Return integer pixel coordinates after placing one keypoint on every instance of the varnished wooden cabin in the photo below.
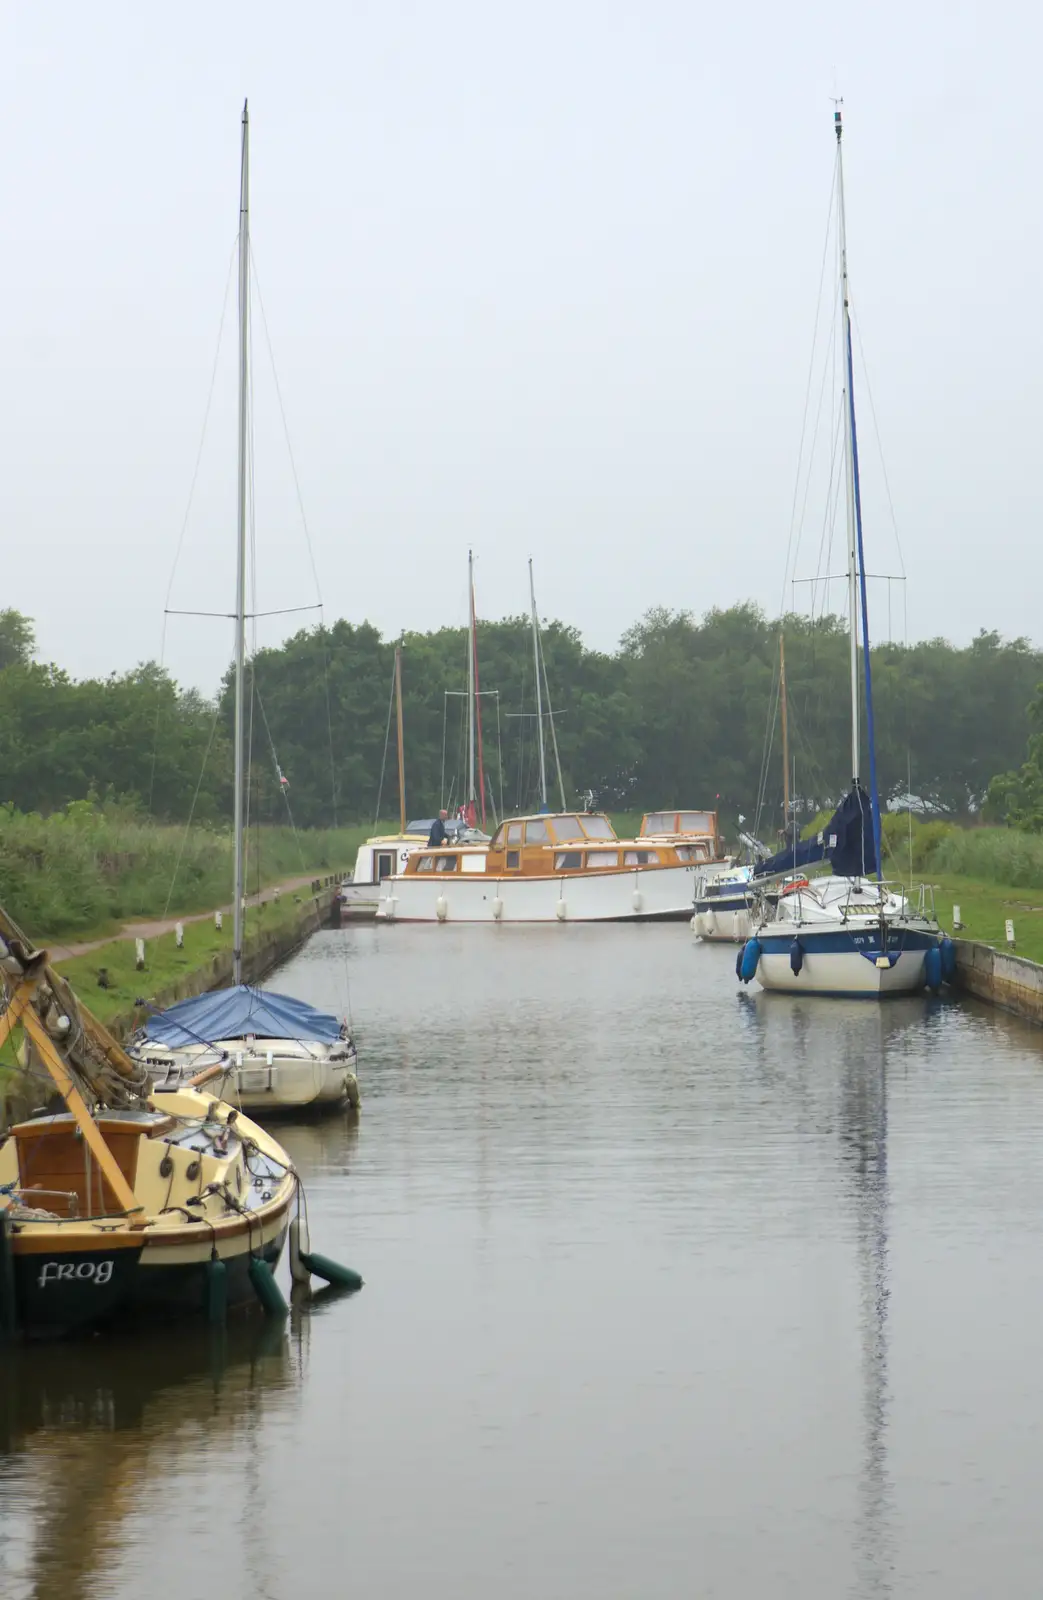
(551, 844)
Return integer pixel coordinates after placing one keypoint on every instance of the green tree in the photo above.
(17, 639)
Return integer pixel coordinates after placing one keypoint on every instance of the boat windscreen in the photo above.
(598, 828)
(695, 822)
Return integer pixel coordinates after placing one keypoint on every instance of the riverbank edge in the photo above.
(263, 951)
(1008, 981)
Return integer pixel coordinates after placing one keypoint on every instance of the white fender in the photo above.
(559, 911)
(637, 900)
(441, 908)
(699, 924)
(710, 924)
(736, 925)
(497, 909)
(389, 907)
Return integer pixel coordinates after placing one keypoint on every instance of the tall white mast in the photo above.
(539, 696)
(470, 676)
(849, 457)
(240, 576)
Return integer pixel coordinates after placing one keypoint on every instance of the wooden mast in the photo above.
(401, 743)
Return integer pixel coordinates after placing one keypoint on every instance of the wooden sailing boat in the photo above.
(130, 1200)
(274, 1053)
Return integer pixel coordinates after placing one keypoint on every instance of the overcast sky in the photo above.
(539, 279)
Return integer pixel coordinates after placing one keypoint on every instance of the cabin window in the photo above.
(385, 865)
(568, 860)
(537, 833)
(513, 860)
(641, 858)
(425, 864)
(597, 828)
(695, 822)
(514, 833)
(567, 827)
(445, 863)
(684, 852)
(659, 822)
(602, 858)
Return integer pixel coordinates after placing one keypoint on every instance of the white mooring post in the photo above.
(1010, 933)
(956, 922)
(217, 920)
(179, 935)
(139, 954)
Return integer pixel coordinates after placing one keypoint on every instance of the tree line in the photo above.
(684, 712)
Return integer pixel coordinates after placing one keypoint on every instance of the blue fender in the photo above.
(751, 954)
(796, 957)
(738, 961)
(932, 968)
(948, 953)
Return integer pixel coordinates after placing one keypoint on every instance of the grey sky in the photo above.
(539, 279)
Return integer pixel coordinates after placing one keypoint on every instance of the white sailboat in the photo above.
(849, 933)
(277, 1053)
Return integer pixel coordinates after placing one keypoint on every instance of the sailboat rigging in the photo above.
(540, 670)
(274, 1053)
(845, 933)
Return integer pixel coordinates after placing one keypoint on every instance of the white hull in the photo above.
(632, 894)
(273, 1077)
(843, 973)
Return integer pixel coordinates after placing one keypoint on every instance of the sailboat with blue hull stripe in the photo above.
(849, 933)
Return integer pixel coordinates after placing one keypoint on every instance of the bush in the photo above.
(89, 867)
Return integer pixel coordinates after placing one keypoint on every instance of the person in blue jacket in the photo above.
(438, 834)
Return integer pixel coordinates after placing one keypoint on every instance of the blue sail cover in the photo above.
(847, 840)
(237, 1013)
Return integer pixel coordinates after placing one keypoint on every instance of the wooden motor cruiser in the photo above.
(554, 867)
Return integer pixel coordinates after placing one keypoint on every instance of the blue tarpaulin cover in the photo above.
(235, 1013)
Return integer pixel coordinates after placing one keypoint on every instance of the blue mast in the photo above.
(874, 792)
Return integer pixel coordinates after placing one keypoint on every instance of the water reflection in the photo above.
(670, 1289)
(91, 1434)
(861, 1035)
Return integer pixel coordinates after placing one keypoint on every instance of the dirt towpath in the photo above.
(152, 930)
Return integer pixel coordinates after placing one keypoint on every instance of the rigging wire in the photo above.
(387, 741)
(307, 534)
(188, 508)
(192, 809)
(793, 540)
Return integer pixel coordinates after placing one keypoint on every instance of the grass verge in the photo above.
(165, 964)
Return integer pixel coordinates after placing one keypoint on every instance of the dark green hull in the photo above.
(60, 1295)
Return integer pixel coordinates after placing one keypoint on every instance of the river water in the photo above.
(670, 1291)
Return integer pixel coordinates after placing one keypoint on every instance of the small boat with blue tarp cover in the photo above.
(849, 933)
(269, 1052)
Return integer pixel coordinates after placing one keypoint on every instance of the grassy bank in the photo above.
(992, 874)
(83, 872)
(165, 964)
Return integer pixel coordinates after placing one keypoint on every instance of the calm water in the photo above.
(670, 1292)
